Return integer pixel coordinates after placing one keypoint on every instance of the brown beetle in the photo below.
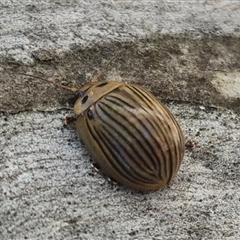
(132, 136)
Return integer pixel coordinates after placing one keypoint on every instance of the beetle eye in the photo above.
(79, 94)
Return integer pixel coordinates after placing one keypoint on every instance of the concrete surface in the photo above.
(28, 26)
(186, 53)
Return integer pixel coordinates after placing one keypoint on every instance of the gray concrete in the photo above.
(27, 26)
(47, 187)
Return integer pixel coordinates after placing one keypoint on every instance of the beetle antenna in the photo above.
(73, 89)
(95, 79)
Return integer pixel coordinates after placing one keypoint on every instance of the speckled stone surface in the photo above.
(48, 189)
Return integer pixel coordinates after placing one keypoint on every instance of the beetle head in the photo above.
(92, 93)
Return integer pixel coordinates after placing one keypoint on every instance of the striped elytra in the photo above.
(132, 136)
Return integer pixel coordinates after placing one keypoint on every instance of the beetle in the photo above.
(132, 136)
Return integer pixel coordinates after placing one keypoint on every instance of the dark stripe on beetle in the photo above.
(179, 145)
(89, 126)
(176, 157)
(110, 157)
(120, 124)
(144, 95)
(148, 154)
(124, 105)
(172, 160)
(104, 142)
(121, 104)
(138, 150)
(112, 148)
(180, 139)
(119, 133)
(153, 105)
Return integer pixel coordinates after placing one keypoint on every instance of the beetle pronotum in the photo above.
(133, 137)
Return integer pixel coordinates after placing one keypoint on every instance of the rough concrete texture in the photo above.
(186, 53)
(28, 26)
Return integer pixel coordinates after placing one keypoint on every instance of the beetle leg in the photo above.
(68, 119)
(112, 181)
(96, 167)
(190, 144)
